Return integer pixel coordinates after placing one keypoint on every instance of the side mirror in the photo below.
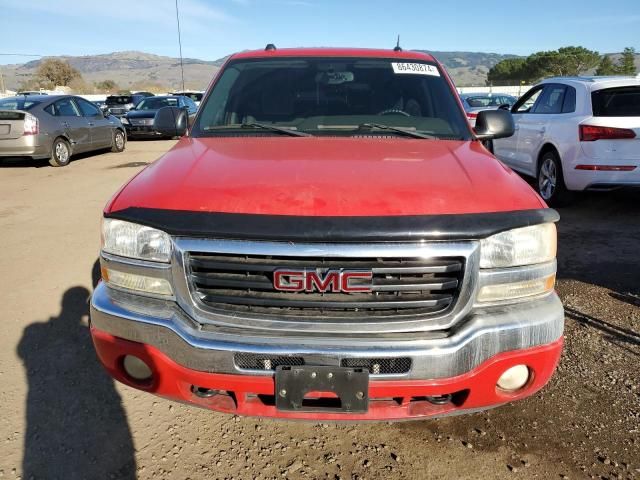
(492, 124)
(170, 121)
(106, 112)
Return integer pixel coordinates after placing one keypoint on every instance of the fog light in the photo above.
(136, 368)
(514, 378)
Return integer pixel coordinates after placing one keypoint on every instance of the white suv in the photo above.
(576, 133)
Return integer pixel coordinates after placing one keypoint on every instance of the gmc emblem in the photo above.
(334, 280)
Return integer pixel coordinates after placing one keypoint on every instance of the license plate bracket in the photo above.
(350, 385)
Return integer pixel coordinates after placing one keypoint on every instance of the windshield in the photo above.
(488, 101)
(17, 103)
(119, 100)
(156, 103)
(195, 96)
(332, 96)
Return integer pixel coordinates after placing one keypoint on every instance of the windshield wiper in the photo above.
(273, 128)
(408, 133)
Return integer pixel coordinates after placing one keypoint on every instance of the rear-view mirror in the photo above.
(170, 121)
(492, 124)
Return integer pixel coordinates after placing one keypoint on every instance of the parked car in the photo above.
(119, 105)
(195, 96)
(139, 120)
(330, 241)
(474, 103)
(56, 127)
(575, 134)
(101, 104)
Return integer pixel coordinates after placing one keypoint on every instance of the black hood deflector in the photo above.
(291, 228)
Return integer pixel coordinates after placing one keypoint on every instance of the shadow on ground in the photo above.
(612, 332)
(25, 162)
(598, 241)
(22, 162)
(76, 424)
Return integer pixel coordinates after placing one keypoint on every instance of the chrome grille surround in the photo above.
(188, 299)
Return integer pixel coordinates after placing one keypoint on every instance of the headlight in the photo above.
(518, 263)
(124, 120)
(135, 241)
(521, 246)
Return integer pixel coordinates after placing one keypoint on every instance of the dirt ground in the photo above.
(62, 416)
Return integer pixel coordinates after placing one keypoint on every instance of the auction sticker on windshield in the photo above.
(415, 68)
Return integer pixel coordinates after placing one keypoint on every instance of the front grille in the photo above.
(379, 366)
(243, 284)
(141, 121)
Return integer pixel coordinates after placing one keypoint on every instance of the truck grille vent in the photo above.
(252, 361)
(376, 366)
(243, 284)
(379, 366)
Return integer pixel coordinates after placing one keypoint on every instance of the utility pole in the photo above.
(180, 44)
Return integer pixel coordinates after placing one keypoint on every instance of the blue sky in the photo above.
(214, 28)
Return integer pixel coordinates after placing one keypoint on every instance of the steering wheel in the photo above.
(394, 111)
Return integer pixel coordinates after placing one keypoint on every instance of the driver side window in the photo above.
(87, 109)
(65, 108)
(526, 103)
(551, 100)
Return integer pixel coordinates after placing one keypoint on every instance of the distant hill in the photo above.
(133, 69)
(138, 68)
(126, 69)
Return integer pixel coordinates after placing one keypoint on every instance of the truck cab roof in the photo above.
(334, 52)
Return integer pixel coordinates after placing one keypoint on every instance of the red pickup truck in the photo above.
(330, 240)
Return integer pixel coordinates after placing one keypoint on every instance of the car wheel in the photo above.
(60, 153)
(118, 141)
(550, 181)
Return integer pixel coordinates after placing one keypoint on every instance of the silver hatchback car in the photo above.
(56, 127)
(474, 103)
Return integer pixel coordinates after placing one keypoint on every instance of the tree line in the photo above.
(566, 61)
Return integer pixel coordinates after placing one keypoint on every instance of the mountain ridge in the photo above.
(141, 70)
(133, 68)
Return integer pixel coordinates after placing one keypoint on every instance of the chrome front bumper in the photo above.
(441, 354)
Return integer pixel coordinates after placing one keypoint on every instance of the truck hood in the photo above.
(322, 176)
